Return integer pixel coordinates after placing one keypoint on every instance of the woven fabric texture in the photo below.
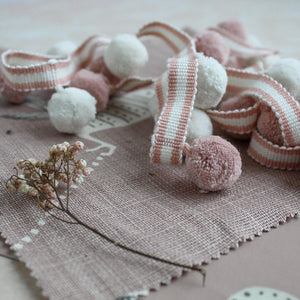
(150, 207)
(153, 208)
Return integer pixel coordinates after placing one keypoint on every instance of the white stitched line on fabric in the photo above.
(99, 158)
(94, 163)
(26, 239)
(41, 222)
(17, 246)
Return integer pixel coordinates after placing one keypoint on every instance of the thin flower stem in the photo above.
(63, 220)
(45, 197)
(68, 185)
(53, 186)
(43, 178)
(96, 231)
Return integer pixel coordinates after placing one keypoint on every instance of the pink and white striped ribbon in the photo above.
(269, 91)
(285, 108)
(178, 40)
(273, 156)
(241, 48)
(171, 128)
(174, 115)
(242, 121)
(24, 71)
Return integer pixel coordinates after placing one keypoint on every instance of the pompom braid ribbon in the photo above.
(24, 71)
(174, 114)
(243, 121)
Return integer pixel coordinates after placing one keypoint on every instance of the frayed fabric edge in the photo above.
(145, 291)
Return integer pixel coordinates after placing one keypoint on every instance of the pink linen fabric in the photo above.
(153, 208)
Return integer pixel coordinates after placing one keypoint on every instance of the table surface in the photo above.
(36, 25)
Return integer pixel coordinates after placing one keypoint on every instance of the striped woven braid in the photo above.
(24, 71)
(174, 115)
(171, 127)
(241, 48)
(241, 121)
(285, 107)
(270, 155)
(178, 40)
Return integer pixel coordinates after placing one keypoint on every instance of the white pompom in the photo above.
(153, 106)
(62, 49)
(200, 125)
(71, 109)
(269, 60)
(287, 72)
(211, 82)
(125, 55)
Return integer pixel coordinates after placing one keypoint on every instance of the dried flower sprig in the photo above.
(42, 179)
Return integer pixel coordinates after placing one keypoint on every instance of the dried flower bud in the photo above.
(10, 186)
(78, 179)
(21, 164)
(66, 144)
(64, 178)
(23, 188)
(33, 192)
(32, 161)
(78, 145)
(53, 149)
(62, 148)
(81, 163)
(40, 179)
(27, 173)
(87, 171)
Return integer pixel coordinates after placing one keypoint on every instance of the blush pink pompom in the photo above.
(236, 102)
(268, 126)
(98, 66)
(236, 28)
(212, 44)
(213, 163)
(95, 84)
